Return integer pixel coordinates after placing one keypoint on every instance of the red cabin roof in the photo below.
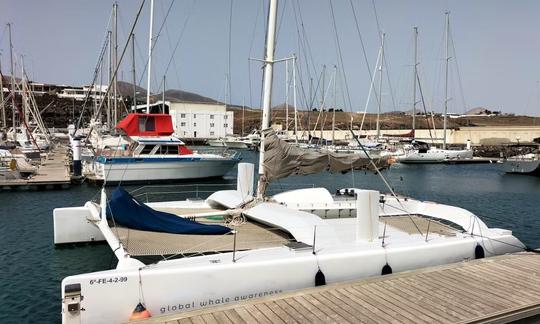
(146, 125)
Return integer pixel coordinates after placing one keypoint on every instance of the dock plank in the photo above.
(502, 288)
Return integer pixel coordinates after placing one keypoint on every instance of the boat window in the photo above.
(147, 149)
(169, 149)
(147, 124)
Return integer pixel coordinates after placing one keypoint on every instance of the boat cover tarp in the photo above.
(282, 159)
(146, 125)
(129, 212)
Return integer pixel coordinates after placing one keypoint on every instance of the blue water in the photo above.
(32, 268)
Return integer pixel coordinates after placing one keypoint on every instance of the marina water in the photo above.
(32, 267)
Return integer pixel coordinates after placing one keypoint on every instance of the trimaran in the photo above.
(292, 240)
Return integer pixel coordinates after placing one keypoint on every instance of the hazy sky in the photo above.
(497, 47)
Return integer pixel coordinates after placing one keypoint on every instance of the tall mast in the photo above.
(334, 110)
(149, 57)
(294, 100)
(415, 76)
(24, 98)
(267, 95)
(243, 115)
(115, 63)
(379, 107)
(4, 125)
(12, 84)
(446, 77)
(109, 120)
(322, 103)
(287, 96)
(133, 70)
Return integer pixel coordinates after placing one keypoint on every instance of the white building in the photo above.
(196, 119)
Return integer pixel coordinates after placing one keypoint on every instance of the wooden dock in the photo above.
(53, 173)
(493, 290)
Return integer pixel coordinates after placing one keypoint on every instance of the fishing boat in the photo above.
(523, 164)
(154, 154)
(238, 245)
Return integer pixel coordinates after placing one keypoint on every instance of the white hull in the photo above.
(216, 143)
(156, 171)
(522, 166)
(187, 284)
(434, 156)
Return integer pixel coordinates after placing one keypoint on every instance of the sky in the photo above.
(494, 49)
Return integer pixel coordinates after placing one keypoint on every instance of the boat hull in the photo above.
(146, 170)
(434, 156)
(183, 285)
(529, 167)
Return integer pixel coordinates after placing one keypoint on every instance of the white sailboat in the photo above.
(293, 240)
(523, 164)
(418, 152)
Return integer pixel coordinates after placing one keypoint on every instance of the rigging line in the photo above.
(306, 44)
(340, 55)
(119, 62)
(385, 61)
(424, 105)
(190, 12)
(252, 41)
(458, 71)
(228, 85)
(386, 182)
(155, 40)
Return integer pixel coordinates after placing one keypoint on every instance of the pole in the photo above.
(133, 70)
(14, 108)
(379, 107)
(446, 77)
(415, 65)
(115, 57)
(334, 110)
(149, 56)
(4, 123)
(294, 100)
(267, 96)
(110, 80)
(287, 97)
(243, 115)
(322, 104)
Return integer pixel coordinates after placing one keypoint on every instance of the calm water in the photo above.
(32, 268)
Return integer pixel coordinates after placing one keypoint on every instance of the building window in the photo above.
(225, 125)
(194, 116)
(211, 124)
(194, 124)
(225, 117)
(211, 133)
(211, 116)
(183, 124)
(182, 115)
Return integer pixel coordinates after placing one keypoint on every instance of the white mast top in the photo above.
(447, 27)
(149, 57)
(268, 75)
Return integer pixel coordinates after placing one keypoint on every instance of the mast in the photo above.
(149, 56)
(115, 63)
(4, 125)
(267, 95)
(12, 85)
(415, 76)
(110, 81)
(322, 103)
(446, 76)
(334, 110)
(243, 114)
(294, 100)
(287, 97)
(379, 107)
(133, 70)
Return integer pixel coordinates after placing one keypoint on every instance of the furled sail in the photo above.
(129, 212)
(282, 159)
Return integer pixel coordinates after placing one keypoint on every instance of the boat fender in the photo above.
(139, 312)
(320, 279)
(479, 252)
(387, 269)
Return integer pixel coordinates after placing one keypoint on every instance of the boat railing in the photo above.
(222, 152)
(173, 192)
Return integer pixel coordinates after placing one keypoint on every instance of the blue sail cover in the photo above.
(129, 212)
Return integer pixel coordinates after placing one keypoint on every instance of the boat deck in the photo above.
(493, 290)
